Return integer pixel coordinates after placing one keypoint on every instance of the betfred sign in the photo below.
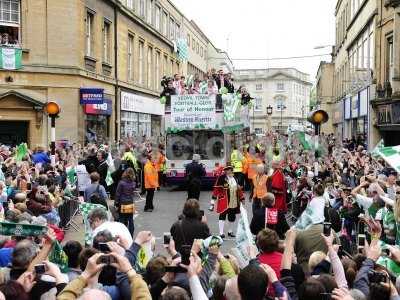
(91, 96)
(99, 109)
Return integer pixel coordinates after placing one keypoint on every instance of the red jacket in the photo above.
(273, 259)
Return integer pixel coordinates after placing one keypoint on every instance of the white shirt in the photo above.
(115, 228)
(364, 201)
(83, 177)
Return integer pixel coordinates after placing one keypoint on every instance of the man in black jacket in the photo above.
(102, 168)
(194, 172)
(91, 162)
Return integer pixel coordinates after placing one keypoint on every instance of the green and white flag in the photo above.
(10, 58)
(22, 151)
(203, 87)
(305, 140)
(71, 175)
(380, 145)
(231, 105)
(391, 155)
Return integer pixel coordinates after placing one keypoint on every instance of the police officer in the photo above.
(194, 172)
(237, 164)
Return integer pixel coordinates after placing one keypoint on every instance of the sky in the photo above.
(267, 29)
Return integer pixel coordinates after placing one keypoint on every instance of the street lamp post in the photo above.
(269, 113)
(281, 124)
(52, 110)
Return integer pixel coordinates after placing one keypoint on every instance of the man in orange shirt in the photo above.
(252, 162)
(260, 186)
(150, 182)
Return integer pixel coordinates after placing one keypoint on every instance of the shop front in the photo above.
(337, 120)
(141, 116)
(356, 115)
(97, 121)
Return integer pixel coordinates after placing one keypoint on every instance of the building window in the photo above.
(165, 24)
(150, 67)
(141, 61)
(197, 48)
(259, 87)
(258, 130)
(150, 11)
(258, 104)
(193, 44)
(142, 8)
(106, 42)
(158, 70)
(201, 51)
(389, 64)
(188, 40)
(130, 57)
(157, 18)
(280, 86)
(172, 67)
(9, 22)
(129, 4)
(165, 67)
(280, 103)
(171, 29)
(89, 33)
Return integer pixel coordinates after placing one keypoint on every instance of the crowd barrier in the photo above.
(67, 211)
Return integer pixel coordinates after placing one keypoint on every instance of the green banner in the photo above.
(10, 58)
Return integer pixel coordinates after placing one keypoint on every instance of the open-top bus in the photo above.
(195, 124)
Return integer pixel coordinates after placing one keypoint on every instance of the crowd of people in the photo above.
(212, 83)
(323, 224)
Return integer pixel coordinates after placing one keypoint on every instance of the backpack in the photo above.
(97, 198)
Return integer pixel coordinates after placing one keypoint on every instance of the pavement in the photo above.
(168, 206)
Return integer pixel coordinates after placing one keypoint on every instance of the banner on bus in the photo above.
(193, 112)
(240, 121)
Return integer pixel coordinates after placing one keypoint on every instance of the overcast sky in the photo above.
(266, 29)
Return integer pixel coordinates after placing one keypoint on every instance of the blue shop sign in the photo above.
(91, 96)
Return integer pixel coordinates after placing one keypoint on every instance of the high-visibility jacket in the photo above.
(236, 161)
(160, 162)
(252, 162)
(128, 156)
(276, 157)
(260, 186)
(245, 163)
(150, 176)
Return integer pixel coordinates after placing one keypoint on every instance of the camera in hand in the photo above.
(167, 238)
(185, 253)
(106, 259)
(327, 228)
(175, 269)
(40, 269)
(377, 277)
(103, 247)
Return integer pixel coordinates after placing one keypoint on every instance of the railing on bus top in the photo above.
(218, 104)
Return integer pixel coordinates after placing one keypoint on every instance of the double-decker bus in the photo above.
(211, 139)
